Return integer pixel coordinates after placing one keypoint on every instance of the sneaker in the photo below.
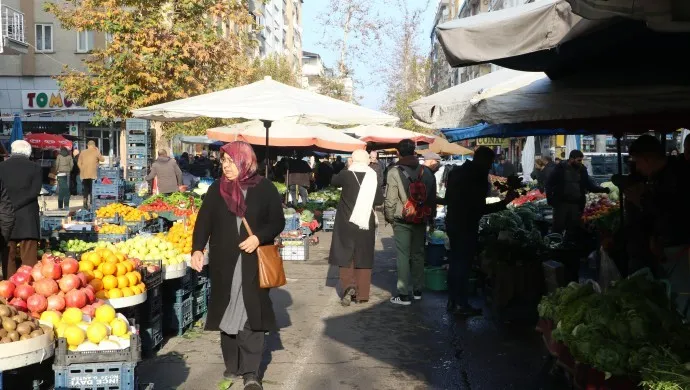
(401, 300)
(348, 295)
(251, 382)
(417, 295)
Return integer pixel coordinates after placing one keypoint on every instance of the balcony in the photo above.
(12, 38)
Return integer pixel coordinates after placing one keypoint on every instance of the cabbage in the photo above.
(614, 195)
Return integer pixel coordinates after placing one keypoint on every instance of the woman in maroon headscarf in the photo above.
(238, 307)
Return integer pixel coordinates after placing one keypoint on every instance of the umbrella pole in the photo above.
(267, 125)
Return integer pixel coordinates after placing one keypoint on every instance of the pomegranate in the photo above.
(46, 287)
(47, 257)
(24, 291)
(98, 303)
(19, 304)
(51, 270)
(37, 303)
(61, 294)
(90, 296)
(89, 310)
(6, 289)
(36, 272)
(75, 298)
(56, 303)
(69, 283)
(69, 266)
(82, 279)
(25, 268)
(21, 278)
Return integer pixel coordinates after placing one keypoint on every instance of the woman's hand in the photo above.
(250, 244)
(198, 261)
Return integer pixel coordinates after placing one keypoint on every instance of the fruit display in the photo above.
(145, 247)
(180, 234)
(109, 228)
(17, 325)
(102, 330)
(597, 206)
(329, 197)
(111, 274)
(76, 246)
(127, 213)
(179, 203)
(532, 196)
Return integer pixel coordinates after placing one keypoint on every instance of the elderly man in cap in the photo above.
(22, 179)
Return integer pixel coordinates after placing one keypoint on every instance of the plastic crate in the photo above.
(64, 357)
(112, 173)
(178, 288)
(86, 235)
(115, 190)
(152, 335)
(328, 215)
(98, 376)
(51, 223)
(112, 237)
(179, 316)
(295, 252)
(99, 202)
(328, 225)
(134, 138)
(199, 306)
(137, 150)
(291, 222)
(154, 279)
(138, 174)
(199, 278)
(137, 124)
(83, 216)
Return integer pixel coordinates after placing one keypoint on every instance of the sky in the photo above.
(371, 95)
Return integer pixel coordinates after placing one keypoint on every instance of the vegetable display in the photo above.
(329, 196)
(179, 203)
(529, 197)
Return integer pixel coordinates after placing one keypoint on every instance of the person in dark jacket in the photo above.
(239, 308)
(465, 198)
(375, 164)
(299, 179)
(74, 179)
(566, 189)
(324, 174)
(22, 179)
(338, 165)
(546, 172)
(168, 173)
(6, 225)
(354, 233)
(63, 168)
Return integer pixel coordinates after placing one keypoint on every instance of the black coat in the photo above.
(6, 216)
(217, 224)
(349, 242)
(23, 179)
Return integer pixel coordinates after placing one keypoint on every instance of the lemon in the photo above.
(51, 316)
(60, 329)
(74, 335)
(72, 316)
(96, 332)
(119, 327)
(105, 314)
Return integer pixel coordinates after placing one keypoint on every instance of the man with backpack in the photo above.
(409, 207)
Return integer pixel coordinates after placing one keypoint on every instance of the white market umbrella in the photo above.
(528, 154)
(287, 133)
(570, 145)
(387, 135)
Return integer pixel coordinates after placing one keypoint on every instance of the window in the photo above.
(85, 41)
(44, 38)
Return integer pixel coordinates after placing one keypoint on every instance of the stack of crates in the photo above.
(328, 220)
(178, 303)
(149, 315)
(201, 285)
(108, 188)
(294, 249)
(139, 154)
(114, 369)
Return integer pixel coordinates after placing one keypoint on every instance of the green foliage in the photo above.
(278, 67)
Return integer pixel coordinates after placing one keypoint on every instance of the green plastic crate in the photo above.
(436, 278)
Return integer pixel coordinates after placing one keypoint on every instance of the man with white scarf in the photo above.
(354, 233)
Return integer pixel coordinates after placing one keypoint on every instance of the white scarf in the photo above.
(365, 198)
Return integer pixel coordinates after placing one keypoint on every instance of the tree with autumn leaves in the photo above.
(156, 51)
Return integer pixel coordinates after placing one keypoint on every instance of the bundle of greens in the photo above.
(665, 370)
(330, 196)
(282, 188)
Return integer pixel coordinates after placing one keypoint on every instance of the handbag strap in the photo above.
(246, 226)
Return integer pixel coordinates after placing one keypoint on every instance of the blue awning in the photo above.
(509, 130)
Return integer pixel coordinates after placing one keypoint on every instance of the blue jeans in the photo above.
(463, 250)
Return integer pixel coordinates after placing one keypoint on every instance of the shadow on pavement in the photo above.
(273, 342)
(167, 371)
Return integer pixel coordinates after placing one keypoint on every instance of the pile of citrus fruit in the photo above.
(128, 213)
(180, 234)
(109, 228)
(105, 331)
(111, 274)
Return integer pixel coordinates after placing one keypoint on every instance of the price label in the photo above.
(97, 381)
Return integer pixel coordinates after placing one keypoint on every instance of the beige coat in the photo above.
(88, 163)
(64, 164)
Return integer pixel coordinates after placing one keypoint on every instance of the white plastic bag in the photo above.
(142, 188)
(608, 272)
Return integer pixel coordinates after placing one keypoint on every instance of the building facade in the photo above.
(281, 28)
(314, 71)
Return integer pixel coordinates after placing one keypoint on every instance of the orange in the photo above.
(120, 256)
(122, 282)
(105, 253)
(132, 279)
(98, 274)
(86, 265)
(135, 290)
(121, 269)
(127, 292)
(115, 293)
(138, 275)
(112, 259)
(129, 265)
(97, 284)
(109, 269)
(142, 287)
(102, 294)
(95, 258)
(85, 256)
(109, 282)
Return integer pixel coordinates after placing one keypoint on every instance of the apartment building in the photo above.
(314, 70)
(281, 33)
(12, 38)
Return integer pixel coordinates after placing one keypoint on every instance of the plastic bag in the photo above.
(142, 188)
(608, 272)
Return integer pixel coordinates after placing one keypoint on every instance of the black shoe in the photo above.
(251, 382)
(401, 300)
(348, 296)
(231, 375)
(417, 295)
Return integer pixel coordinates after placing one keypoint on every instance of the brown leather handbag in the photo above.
(271, 271)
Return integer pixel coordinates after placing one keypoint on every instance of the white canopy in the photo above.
(658, 14)
(511, 32)
(287, 133)
(387, 135)
(265, 100)
(452, 107)
(197, 139)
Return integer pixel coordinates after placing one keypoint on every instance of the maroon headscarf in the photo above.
(244, 158)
